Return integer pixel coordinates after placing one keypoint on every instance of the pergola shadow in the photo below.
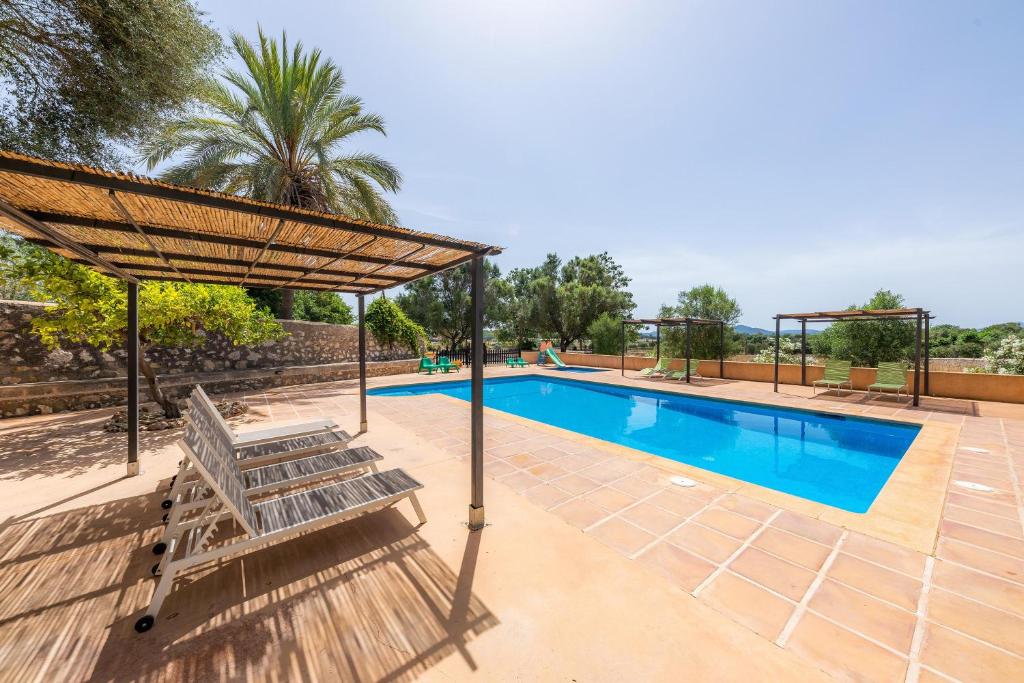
(363, 600)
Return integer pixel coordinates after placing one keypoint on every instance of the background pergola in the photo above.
(918, 315)
(137, 229)
(677, 322)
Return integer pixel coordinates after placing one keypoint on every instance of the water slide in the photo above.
(555, 359)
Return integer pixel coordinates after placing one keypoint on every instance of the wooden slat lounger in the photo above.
(267, 522)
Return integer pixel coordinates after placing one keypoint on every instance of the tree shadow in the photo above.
(366, 599)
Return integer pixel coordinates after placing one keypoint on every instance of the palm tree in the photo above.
(273, 131)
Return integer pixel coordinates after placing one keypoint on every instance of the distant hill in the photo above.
(747, 329)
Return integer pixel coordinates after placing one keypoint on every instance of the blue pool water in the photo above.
(833, 459)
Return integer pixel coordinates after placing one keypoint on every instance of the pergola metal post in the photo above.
(917, 360)
(657, 342)
(721, 350)
(132, 342)
(687, 350)
(476, 506)
(622, 360)
(927, 353)
(362, 363)
(778, 322)
(803, 353)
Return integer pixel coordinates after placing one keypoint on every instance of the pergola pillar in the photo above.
(778, 329)
(476, 505)
(803, 353)
(362, 364)
(132, 344)
(687, 350)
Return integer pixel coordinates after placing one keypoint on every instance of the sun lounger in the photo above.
(837, 374)
(660, 368)
(445, 363)
(266, 522)
(890, 377)
(190, 495)
(271, 445)
(681, 374)
(428, 365)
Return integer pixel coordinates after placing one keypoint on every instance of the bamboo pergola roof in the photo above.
(672, 322)
(138, 228)
(857, 314)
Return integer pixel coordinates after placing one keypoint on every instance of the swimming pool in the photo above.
(833, 459)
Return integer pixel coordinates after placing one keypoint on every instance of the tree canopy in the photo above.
(703, 301)
(868, 342)
(86, 76)
(442, 304)
(92, 308)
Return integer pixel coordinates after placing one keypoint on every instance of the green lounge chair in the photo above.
(428, 365)
(681, 374)
(519, 362)
(660, 368)
(890, 377)
(445, 363)
(837, 373)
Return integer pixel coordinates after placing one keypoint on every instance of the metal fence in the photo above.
(492, 355)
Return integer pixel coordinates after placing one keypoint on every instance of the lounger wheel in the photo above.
(155, 569)
(165, 518)
(166, 504)
(144, 624)
(159, 548)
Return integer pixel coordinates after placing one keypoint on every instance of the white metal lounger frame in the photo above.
(263, 435)
(219, 506)
(197, 496)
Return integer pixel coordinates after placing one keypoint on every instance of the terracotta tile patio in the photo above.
(641, 578)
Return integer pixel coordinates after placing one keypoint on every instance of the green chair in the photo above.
(428, 365)
(510, 362)
(890, 377)
(837, 373)
(681, 374)
(660, 368)
(444, 363)
(519, 362)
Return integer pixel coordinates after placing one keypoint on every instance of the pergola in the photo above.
(138, 229)
(919, 315)
(677, 322)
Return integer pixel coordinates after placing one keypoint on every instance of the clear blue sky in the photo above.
(799, 154)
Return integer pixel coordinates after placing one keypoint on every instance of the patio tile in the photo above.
(548, 453)
(796, 549)
(808, 527)
(576, 484)
(498, 468)
(676, 503)
(985, 539)
(727, 522)
(523, 460)
(547, 495)
(984, 520)
(884, 553)
(863, 614)
(547, 471)
(635, 487)
(610, 499)
(1007, 567)
(750, 605)
(981, 621)
(844, 654)
(682, 568)
(983, 505)
(621, 535)
(747, 507)
(573, 463)
(520, 481)
(966, 659)
(580, 513)
(986, 589)
(769, 571)
(882, 583)
(603, 473)
(705, 542)
(652, 518)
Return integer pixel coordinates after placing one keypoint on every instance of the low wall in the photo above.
(52, 397)
(965, 385)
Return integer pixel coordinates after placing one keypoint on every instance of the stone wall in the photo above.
(35, 379)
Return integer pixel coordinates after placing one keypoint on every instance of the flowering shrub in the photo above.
(789, 352)
(1007, 358)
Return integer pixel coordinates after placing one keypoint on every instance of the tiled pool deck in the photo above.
(762, 580)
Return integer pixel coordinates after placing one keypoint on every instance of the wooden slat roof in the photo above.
(672, 322)
(139, 228)
(857, 314)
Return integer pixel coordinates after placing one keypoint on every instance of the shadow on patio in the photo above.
(363, 600)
